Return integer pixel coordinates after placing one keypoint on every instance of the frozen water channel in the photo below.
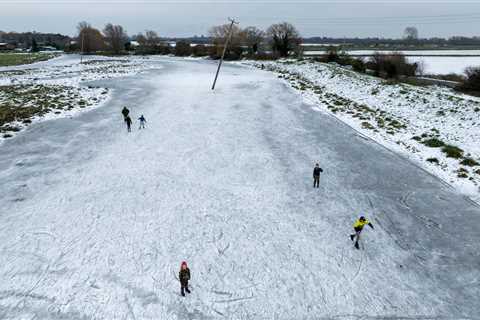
(95, 222)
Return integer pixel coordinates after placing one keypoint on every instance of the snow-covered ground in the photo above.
(433, 61)
(411, 52)
(399, 116)
(95, 221)
(446, 65)
(67, 77)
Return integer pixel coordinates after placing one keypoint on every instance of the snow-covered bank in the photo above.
(423, 123)
(56, 88)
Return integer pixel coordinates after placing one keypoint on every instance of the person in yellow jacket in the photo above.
(358, 227)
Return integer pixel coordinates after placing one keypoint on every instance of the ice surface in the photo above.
(454, 116)
(95, 221)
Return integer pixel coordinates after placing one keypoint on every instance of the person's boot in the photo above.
(182, 293)
(188, 290)
(352, 236)
(357, 246)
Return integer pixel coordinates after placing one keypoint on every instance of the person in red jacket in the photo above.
(184, 276)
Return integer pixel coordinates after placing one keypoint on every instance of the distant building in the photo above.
(5, 46)
(134, 44)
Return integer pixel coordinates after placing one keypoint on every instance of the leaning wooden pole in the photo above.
(232, 22)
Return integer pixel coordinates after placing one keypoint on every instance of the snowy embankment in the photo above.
(56, 88)
(436, 127)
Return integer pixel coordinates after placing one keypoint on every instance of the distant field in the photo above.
(14, 59)
(434, 61)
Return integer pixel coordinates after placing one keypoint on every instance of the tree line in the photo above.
(279, 40)
(89, 40)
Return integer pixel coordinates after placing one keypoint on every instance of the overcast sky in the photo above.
(339, 18)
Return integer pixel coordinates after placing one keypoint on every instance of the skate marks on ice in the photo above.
(222, 184)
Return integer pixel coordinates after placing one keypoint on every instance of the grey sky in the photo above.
(385, 18)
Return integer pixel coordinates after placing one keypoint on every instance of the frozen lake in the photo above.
(95, 220)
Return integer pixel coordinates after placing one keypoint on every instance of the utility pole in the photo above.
(232, 22)
(81, 54)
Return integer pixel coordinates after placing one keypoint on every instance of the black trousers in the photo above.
(184, 287)
(356, 235)
(316, 181)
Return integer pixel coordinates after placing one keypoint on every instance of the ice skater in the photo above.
(125, 113)
(142, 122)
(184, 277)
(358, 227)
(316, 176)
(128, 120)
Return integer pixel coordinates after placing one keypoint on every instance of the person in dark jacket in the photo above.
(358, 227)
(184, 277)
(125, 113)
(316, 176)
(142, 122)
(128, 120)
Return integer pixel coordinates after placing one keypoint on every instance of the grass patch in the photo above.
(452, 151)
(469, 162)
(367, 125)
(433, 160)
(433, 143)
(14, 59)
(462, 175)
(20, 103)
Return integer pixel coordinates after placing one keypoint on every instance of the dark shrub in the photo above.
(232, 53)
(200, 50)
(433, 143)
(358, 65)
(469, 162)
(472, 81)
(453, 151)
(391, 65)
(264, 56)
(183, 49)
(332, 55)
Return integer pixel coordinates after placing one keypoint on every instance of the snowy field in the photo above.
(61, 86)
(433, 61)
(446, 65)
(95, 221)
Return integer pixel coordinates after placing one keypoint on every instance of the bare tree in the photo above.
(410, 33)
(219, 34)
(141, 39)
(152, 38)
(116, 37)
(253, 38)
(284, 38)
(89, 38)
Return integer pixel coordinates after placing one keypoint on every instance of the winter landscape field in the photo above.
(433, 61)
(96, 220)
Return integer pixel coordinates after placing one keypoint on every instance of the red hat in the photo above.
(184, 263)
